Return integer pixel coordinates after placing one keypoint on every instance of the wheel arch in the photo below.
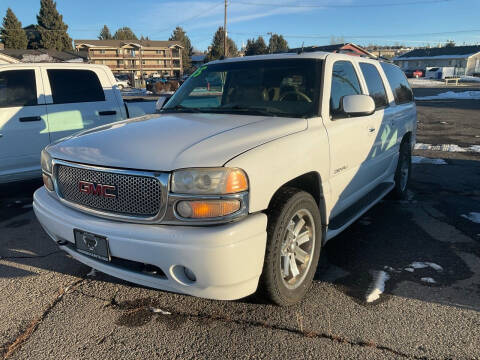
(311, 183)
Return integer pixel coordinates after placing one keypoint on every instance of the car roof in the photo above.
(321, 55)
(55, 65)
(305, 55)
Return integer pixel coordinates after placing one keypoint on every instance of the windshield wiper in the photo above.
(181, 108)
(265, 111)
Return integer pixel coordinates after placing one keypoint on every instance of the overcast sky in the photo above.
(411, 22)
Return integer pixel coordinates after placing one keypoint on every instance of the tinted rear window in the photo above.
(399, 84)
(18, 88)
(72, 86)
(374, 84)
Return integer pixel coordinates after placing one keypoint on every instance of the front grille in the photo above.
(135, 196)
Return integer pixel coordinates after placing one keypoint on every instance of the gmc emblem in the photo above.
(106, 191)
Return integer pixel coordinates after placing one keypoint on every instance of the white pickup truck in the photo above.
(42, 103)
(252, 166)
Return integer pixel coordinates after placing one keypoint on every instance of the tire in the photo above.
(288, 207)
(403, 171)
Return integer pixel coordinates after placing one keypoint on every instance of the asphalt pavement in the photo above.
(427, 248)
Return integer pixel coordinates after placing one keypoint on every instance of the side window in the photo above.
(344, 82)
(72, 86)
(18, 88)
(399, 84)
(376, 89)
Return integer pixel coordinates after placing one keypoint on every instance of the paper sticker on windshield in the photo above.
(199, 71)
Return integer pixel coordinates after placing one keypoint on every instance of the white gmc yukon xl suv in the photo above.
(249, 169)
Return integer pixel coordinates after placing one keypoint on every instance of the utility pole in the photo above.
(225, 31)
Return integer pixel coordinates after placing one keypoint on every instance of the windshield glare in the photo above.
(285, 87)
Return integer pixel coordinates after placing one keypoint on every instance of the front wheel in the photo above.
(293, 247)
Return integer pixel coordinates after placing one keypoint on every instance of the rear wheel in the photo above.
(293, 247)
(403, 171)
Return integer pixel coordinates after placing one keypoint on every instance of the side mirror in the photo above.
(358, 105)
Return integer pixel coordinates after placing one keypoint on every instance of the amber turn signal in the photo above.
(236, 182)
(207, 208)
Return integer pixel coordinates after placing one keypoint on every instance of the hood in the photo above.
(173, 141)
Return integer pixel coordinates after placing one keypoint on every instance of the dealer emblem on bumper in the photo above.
(90, 241)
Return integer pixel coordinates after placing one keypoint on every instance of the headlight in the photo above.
(46, 162)
(209, 181)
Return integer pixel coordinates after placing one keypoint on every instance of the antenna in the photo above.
(301, 50)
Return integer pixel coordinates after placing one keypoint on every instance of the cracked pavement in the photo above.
(51, 308)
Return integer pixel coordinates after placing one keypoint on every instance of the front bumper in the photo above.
(227, 260)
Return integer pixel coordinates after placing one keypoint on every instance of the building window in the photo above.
(143, 62)
(102, 51)
(120, 62)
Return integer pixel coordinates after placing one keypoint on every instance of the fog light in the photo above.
(47, 181)
(189, 274)
(207, 208)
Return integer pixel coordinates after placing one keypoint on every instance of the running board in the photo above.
(348, 216)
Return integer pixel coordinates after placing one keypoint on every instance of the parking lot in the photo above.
(427, 248)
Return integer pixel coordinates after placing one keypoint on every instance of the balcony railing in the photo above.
(130, 56)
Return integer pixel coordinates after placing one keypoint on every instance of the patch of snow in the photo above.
(409, 269)
(428, 280)
(422, 82)
(424, 160)
(425, 264)
(135, 92)
(447, 147)
(463, 95)
(467, 78)
(92, 273)
(378, 286)
(473, 216)
(159, 311)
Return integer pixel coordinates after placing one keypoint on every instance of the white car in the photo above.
(122, 84)
(251, 167)
(42, 103)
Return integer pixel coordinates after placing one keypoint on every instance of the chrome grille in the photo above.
(136, 195)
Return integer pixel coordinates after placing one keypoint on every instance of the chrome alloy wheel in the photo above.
(297, 248)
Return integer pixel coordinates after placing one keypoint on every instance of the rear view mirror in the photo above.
(358, 105)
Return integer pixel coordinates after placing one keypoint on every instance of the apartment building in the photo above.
(135, 57)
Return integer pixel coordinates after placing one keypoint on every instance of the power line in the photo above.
(333, 6)
(312, 36)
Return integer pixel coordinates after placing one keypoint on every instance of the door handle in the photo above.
(371, 130)
(107, 112)
(29, 118)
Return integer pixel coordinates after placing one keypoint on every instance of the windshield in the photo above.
(284, 87)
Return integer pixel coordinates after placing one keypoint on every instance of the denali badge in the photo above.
(107, 191)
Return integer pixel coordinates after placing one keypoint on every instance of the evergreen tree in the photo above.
(216, 49)
(125, 33)
(180, 35)
(277, 44)
(256, 47)
(13, 36)
(105, 33)
(52, 29)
